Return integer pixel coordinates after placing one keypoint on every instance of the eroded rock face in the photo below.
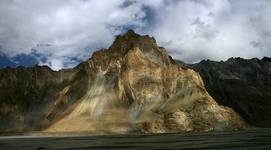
(135, 86)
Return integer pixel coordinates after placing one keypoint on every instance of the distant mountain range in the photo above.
(134, 86)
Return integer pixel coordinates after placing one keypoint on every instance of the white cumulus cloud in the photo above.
(191, 30)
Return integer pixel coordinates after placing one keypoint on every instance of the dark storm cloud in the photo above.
(65, 32)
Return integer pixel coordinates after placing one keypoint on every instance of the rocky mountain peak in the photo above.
(135, 85)
(131, 86)
(126, 44)
(131, 32)
(130, 39)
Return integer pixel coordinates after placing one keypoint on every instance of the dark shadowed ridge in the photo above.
(243, 84)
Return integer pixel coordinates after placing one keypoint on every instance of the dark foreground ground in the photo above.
(248, 139)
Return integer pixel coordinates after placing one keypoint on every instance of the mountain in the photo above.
(133, 86)
(242, 84)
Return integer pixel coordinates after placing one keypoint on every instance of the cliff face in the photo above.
(132, 86)
(242, 84)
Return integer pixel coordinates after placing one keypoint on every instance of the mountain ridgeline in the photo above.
(133, 86)
(242, 84)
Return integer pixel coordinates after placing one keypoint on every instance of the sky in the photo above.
(63, 33)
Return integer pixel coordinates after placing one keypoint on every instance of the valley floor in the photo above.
(258, 138)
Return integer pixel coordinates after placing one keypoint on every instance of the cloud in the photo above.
(64, 29)
(65, 32)
(195, 30)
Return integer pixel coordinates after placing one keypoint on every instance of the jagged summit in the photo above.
(130, 39)
(131, 32)
(128, 44)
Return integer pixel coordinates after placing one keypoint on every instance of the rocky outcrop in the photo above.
(133, 86)
(242, 84)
